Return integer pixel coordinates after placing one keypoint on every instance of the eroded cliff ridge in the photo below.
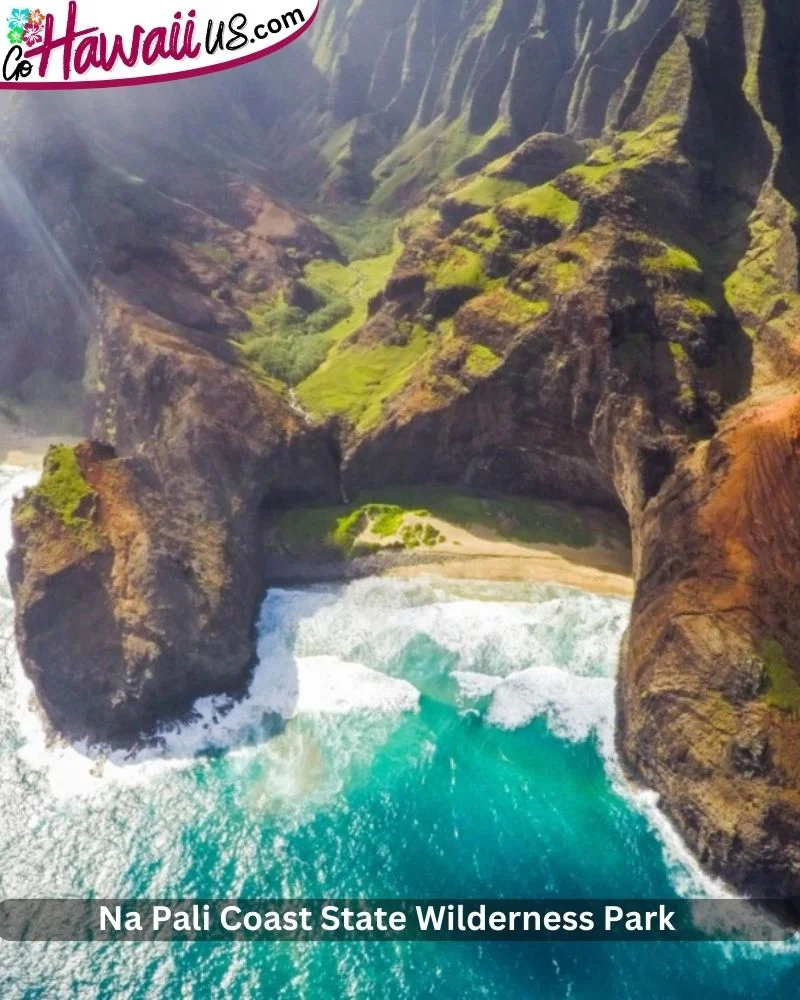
(592, 296)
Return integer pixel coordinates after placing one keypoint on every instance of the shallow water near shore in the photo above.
(443, 738)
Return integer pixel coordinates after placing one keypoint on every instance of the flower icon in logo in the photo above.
(33, 34)
(15, 36)
(18, 19)
(36, 17)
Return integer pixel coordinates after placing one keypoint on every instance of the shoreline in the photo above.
(538, 566)
(467, 554)
(597, 570)
(462, 537)
(27, 451)
(479, 554)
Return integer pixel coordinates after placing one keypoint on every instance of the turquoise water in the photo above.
(445, 739)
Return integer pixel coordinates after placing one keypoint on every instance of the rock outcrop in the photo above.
(710, 691)
(627, 332)
(136, 250)
(455, 85)
(138, 575)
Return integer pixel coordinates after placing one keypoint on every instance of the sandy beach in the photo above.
(534, 566)
(477, 555)
(27, 451)
(465, 554)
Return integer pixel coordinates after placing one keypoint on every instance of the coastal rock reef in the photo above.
(545, 249)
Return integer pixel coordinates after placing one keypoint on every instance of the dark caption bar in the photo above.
(121, 920)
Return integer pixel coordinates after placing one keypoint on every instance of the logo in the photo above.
(92, 43)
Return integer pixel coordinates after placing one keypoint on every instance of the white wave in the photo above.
(474, 687)
(328, 685)
(324, 686)
(284, 687)
(375, 621)
(12, 482)
(327, 654)
(575, 707)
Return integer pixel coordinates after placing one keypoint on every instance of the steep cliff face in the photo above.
(418, 88)
(710, 690)
(138, 575)
(135, 258)
(626, 332)
(159, 192)
(541, 66)
(45, 247)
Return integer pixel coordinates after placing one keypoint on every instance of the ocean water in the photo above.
(442, 739)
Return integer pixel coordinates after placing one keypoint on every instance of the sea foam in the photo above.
(520, 651)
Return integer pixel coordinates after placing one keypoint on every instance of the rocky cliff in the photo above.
(616, 320)
(596, 299)
(138, 574)
(133, 263)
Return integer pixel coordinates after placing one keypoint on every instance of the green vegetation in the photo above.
(599, 166)
(565, 273)
(672, 259)
(500, 304)
(63, 491)
(357, 379)
(783, 690)
(401, 518)
(481, 361)
(388, 521)
(337, 530)
(545, 202)
(418, 218)
(348, 528)
(427, 156)
(482, 233)
(415, 535)
(698, 307)
(756, 286)
(289, 344)
(360, 235)
(513, 518)
(486, 191)
(357, 282)
(461, 269)
(678, 351)
(633, 151)
(509, 307)
(219, 254)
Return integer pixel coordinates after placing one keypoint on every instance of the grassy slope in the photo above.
(355, 379)
(287, 344)
(334, 530)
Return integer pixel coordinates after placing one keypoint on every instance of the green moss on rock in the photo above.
(461, 268)
(502, 304)
(672, 259)
(678, 351)
(357, 379)
(481, 361)
(783, 687)
(545, 202)
(484, 192)
(62, 491)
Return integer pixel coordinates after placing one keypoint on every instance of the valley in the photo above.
(530, 255)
